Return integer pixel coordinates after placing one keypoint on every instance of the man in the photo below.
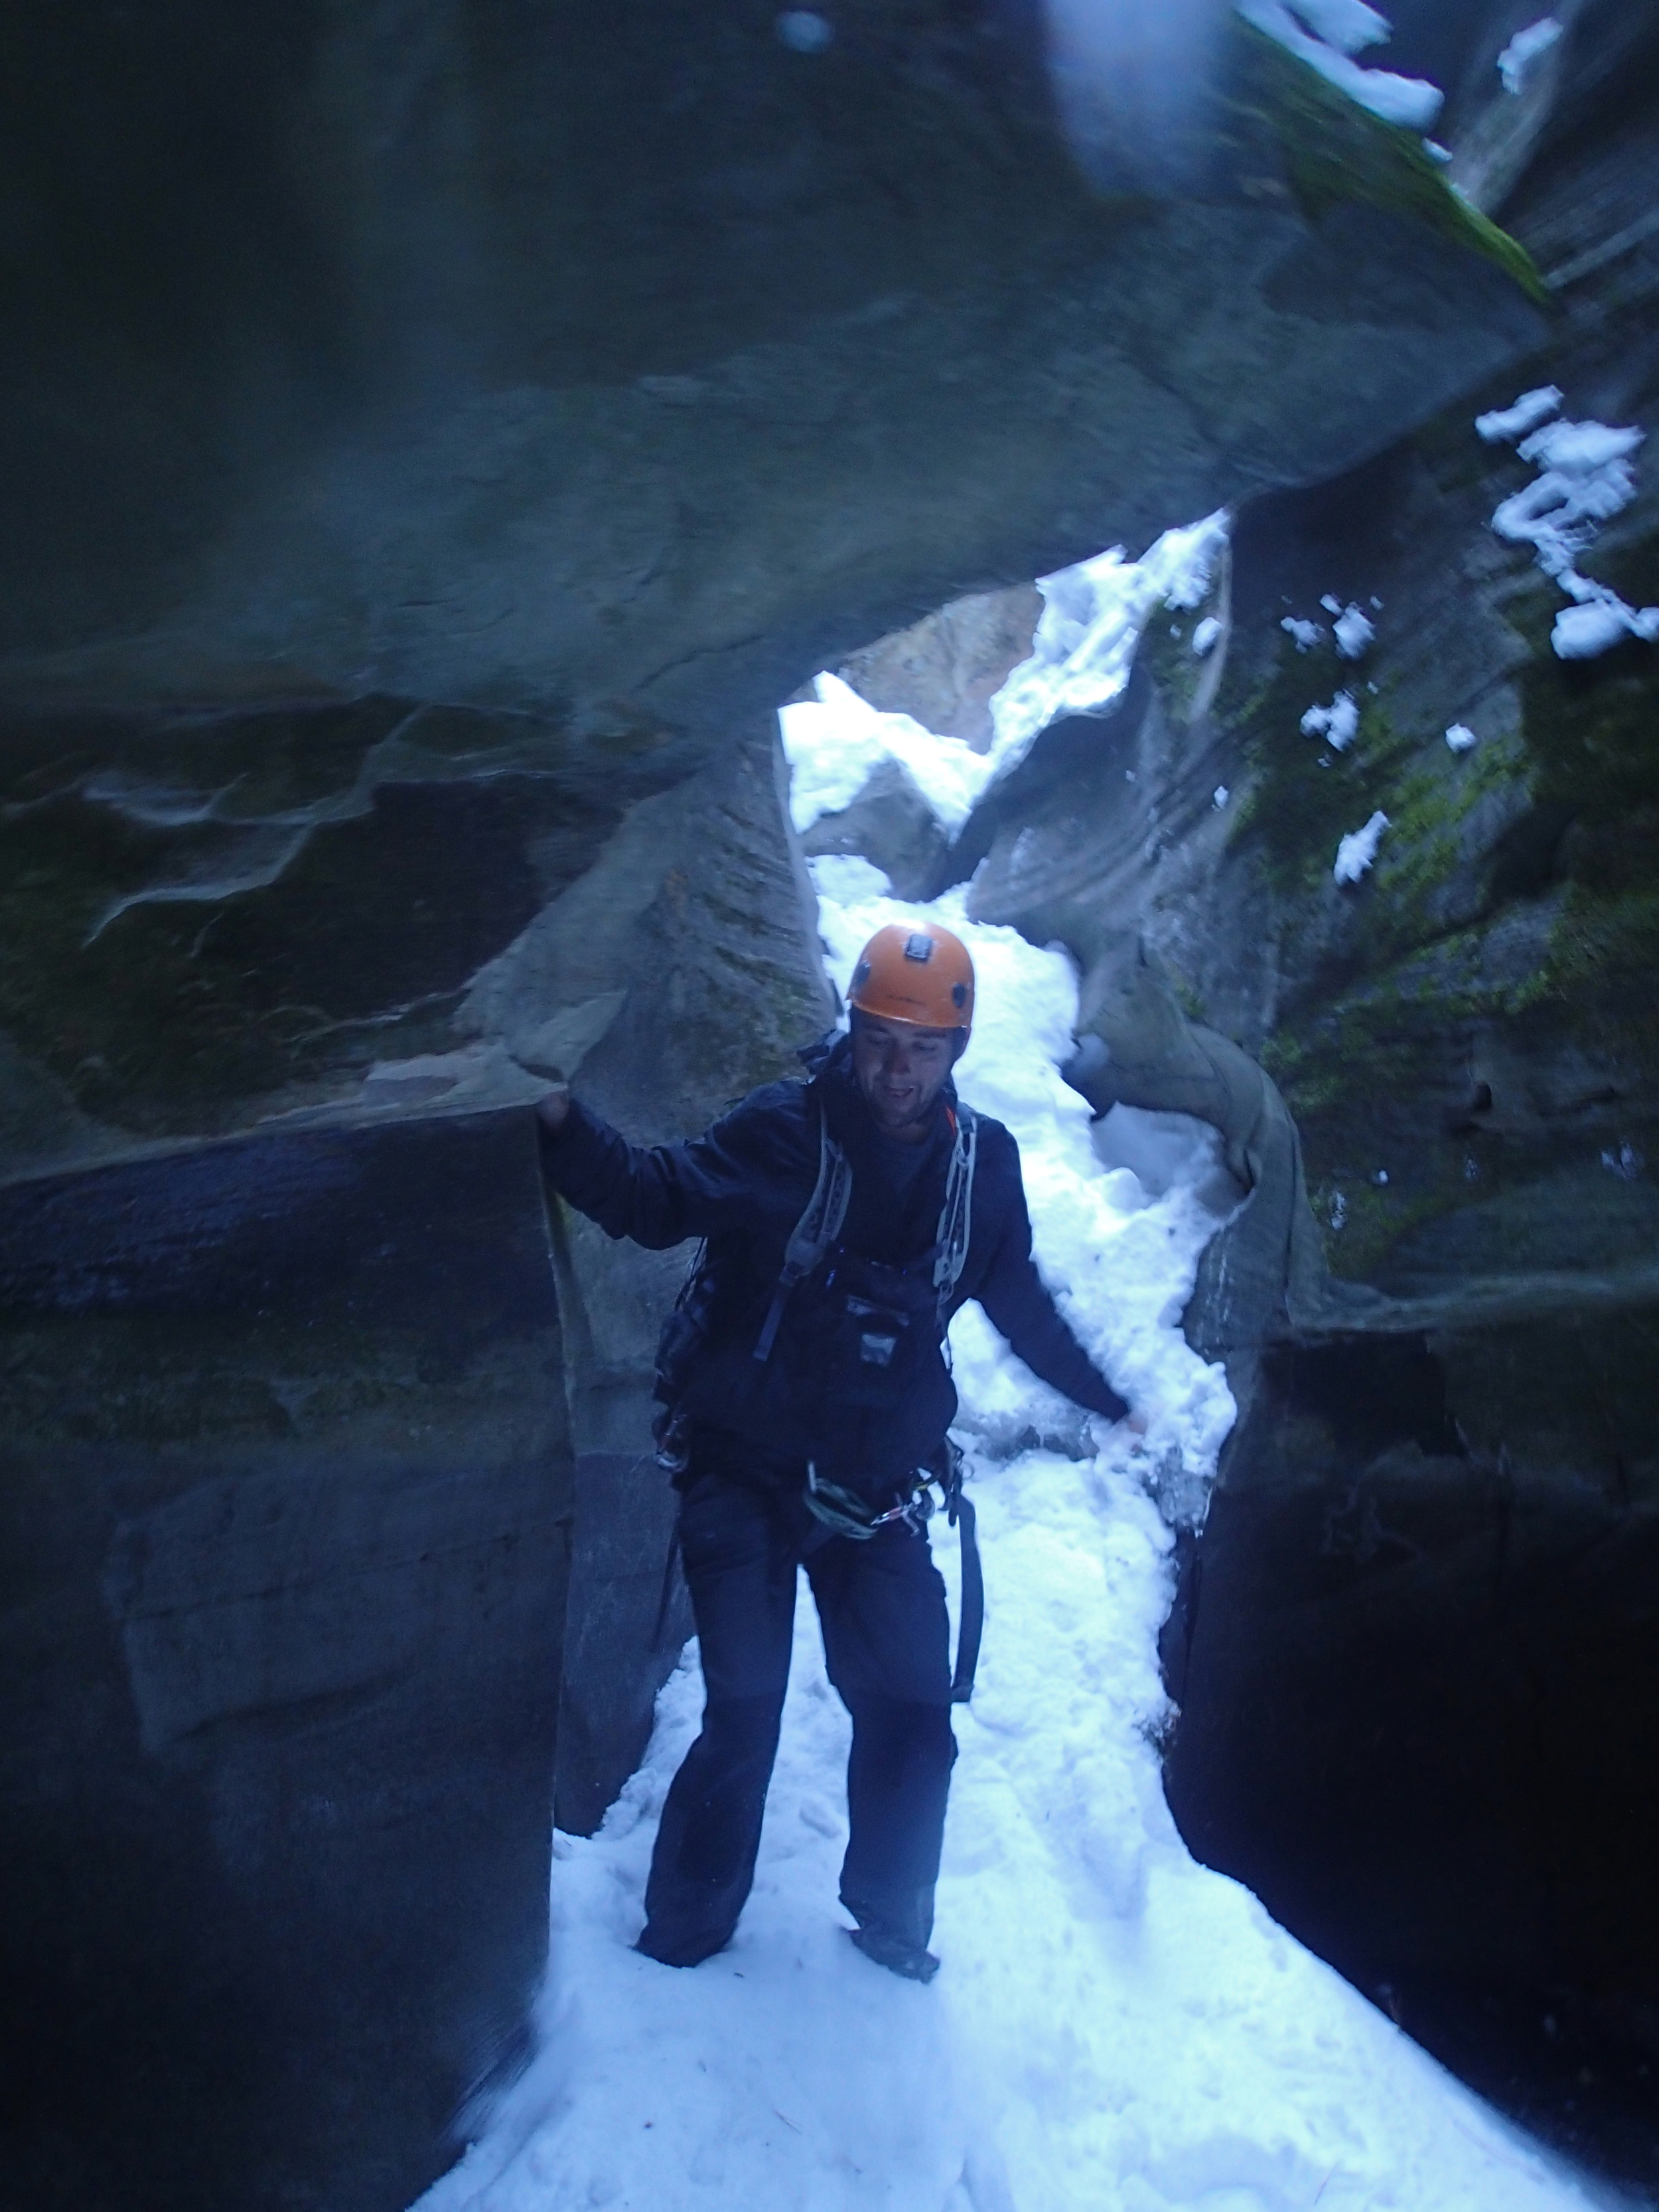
(846, 1220)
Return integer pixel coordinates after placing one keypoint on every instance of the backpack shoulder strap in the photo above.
(956, 1220)
(817, 1230)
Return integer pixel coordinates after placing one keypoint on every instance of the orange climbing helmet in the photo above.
(918, 973)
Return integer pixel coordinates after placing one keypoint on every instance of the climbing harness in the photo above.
(847, 1514)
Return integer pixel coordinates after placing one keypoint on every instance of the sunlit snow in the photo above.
(1116, 2029)
(1092, 618)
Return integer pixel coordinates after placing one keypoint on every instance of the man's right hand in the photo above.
(554, 1105)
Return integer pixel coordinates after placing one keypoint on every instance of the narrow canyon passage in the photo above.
(1115, 2025)
(530, 530)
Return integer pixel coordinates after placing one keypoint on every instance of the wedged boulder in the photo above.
(945, 669)
(891, 823)
(649, 364)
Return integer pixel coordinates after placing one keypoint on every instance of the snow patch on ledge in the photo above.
(1326, 34)
(1531, 409)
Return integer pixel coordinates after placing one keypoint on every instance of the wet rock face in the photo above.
(305, 1426)
(1417, 1667)
(288, 1507)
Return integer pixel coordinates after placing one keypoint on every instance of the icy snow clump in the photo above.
(1307, 634)
(1358, 850)
(1354, 631)
(1460, 738)
(1531, 409)
(1337, 723)
(1585, 475)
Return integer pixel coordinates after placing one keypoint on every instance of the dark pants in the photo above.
(886, 1642)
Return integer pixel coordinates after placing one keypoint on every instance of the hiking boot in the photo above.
(893, 1952)
(651, 1946)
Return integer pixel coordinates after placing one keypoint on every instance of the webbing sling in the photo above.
(956, 1220)
(814, 1233)
(821, 1223)
(971, 1626)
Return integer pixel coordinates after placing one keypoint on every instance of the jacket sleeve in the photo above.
(735, 1175)
(1016, 1301)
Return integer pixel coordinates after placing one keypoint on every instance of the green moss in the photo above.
(1336, 150)
(1361, 1222)
(1303, 797)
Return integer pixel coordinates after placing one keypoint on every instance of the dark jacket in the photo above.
(744, 1185)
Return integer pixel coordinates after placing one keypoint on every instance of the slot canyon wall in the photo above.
(440, 440)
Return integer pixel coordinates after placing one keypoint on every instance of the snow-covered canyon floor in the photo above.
(1114, 2025)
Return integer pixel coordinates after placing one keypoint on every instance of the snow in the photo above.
(1306, 634)
(836, 743)
(1222, 795)
(1091, 621)
(1092, 618)
(1204, 634)
(1460, 738)
(1585, 476)
(1354, 631)
(1521, 58)
(1328, 34)
(1117, 2028)
(1337, 724)
(1531, 409)
(1604, 621)
(1358, 850)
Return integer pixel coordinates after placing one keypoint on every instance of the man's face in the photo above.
(900, 1068)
